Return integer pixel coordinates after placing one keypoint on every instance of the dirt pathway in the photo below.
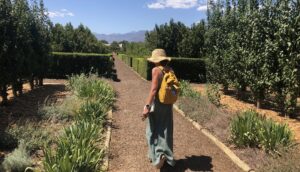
(128, 149)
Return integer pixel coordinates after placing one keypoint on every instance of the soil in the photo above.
(234, 105)
(128, 149)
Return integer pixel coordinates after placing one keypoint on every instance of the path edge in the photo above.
(105, 165)
(234, 158)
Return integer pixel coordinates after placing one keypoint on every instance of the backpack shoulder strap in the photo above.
(162, 69)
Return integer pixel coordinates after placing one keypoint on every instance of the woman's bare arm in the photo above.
(154, 85)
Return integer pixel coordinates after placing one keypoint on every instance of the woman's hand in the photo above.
(145, 113)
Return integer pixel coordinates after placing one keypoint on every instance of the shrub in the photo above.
(191, 69)
(93, 111)
(194, 69)
(245, 129)
(188, 91)
(63, 64)
(272, 135)
(7, 141)
(251, 129)
(77, 150)
(33, 135)
(213, 94)
(92, 87)
(66, 110)
(18, 160)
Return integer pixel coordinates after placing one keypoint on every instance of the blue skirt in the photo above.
(159, 133)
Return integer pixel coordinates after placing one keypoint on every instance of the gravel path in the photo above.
(128, 148)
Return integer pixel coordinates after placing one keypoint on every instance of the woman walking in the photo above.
(159, 131)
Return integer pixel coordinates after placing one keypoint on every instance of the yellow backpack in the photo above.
(170, 87)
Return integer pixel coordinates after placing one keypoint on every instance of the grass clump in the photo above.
(252, 130)
(64, 111)
(18, 160)
(213, 94)
(77, 150)
(34, 136)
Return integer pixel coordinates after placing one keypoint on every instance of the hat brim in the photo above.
(158, 59)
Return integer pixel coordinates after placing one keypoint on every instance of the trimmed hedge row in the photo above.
(62, 64)
(191, 69)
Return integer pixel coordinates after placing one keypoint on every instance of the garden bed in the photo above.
(217, 120)
(46, 127)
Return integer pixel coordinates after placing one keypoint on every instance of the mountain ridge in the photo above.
(135, 36)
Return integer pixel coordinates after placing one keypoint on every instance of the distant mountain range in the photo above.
(138, 36)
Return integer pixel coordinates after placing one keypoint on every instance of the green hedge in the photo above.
(62, 64)
(191, 69)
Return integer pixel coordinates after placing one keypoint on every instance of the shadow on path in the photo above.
(193, 163)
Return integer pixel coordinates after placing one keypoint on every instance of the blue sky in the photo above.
(122, 16)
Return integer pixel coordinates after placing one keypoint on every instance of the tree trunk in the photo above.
(20, 87)
(4, 94)
(15, 88)
(41, 83)
(244, 88)
(293, 105)
(258, 103)
(36, 81)
(260, 98)
(31, 82)
(238, 94)
(225, 88)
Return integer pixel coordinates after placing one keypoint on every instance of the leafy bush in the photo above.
(63, 64)
(251, 129)
(188, 91)
(213, 94)
(18, 160)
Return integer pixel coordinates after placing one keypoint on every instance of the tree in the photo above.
(167, 36)
(23, 39)
(193, 42)
(114, 46)
(6, 45)
(70, 39)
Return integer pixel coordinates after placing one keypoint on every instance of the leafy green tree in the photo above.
(41, 41)
(167, 36)
(57, 37)
(287, 55)
(193, 42)
(114, 46)
(23, 39)
(6, 45)
(70, 39)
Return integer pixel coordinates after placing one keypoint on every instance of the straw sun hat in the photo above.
(158, 55)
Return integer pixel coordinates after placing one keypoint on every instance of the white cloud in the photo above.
(202, 8)
(156, 5)
(61, 13)
(183, 4)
